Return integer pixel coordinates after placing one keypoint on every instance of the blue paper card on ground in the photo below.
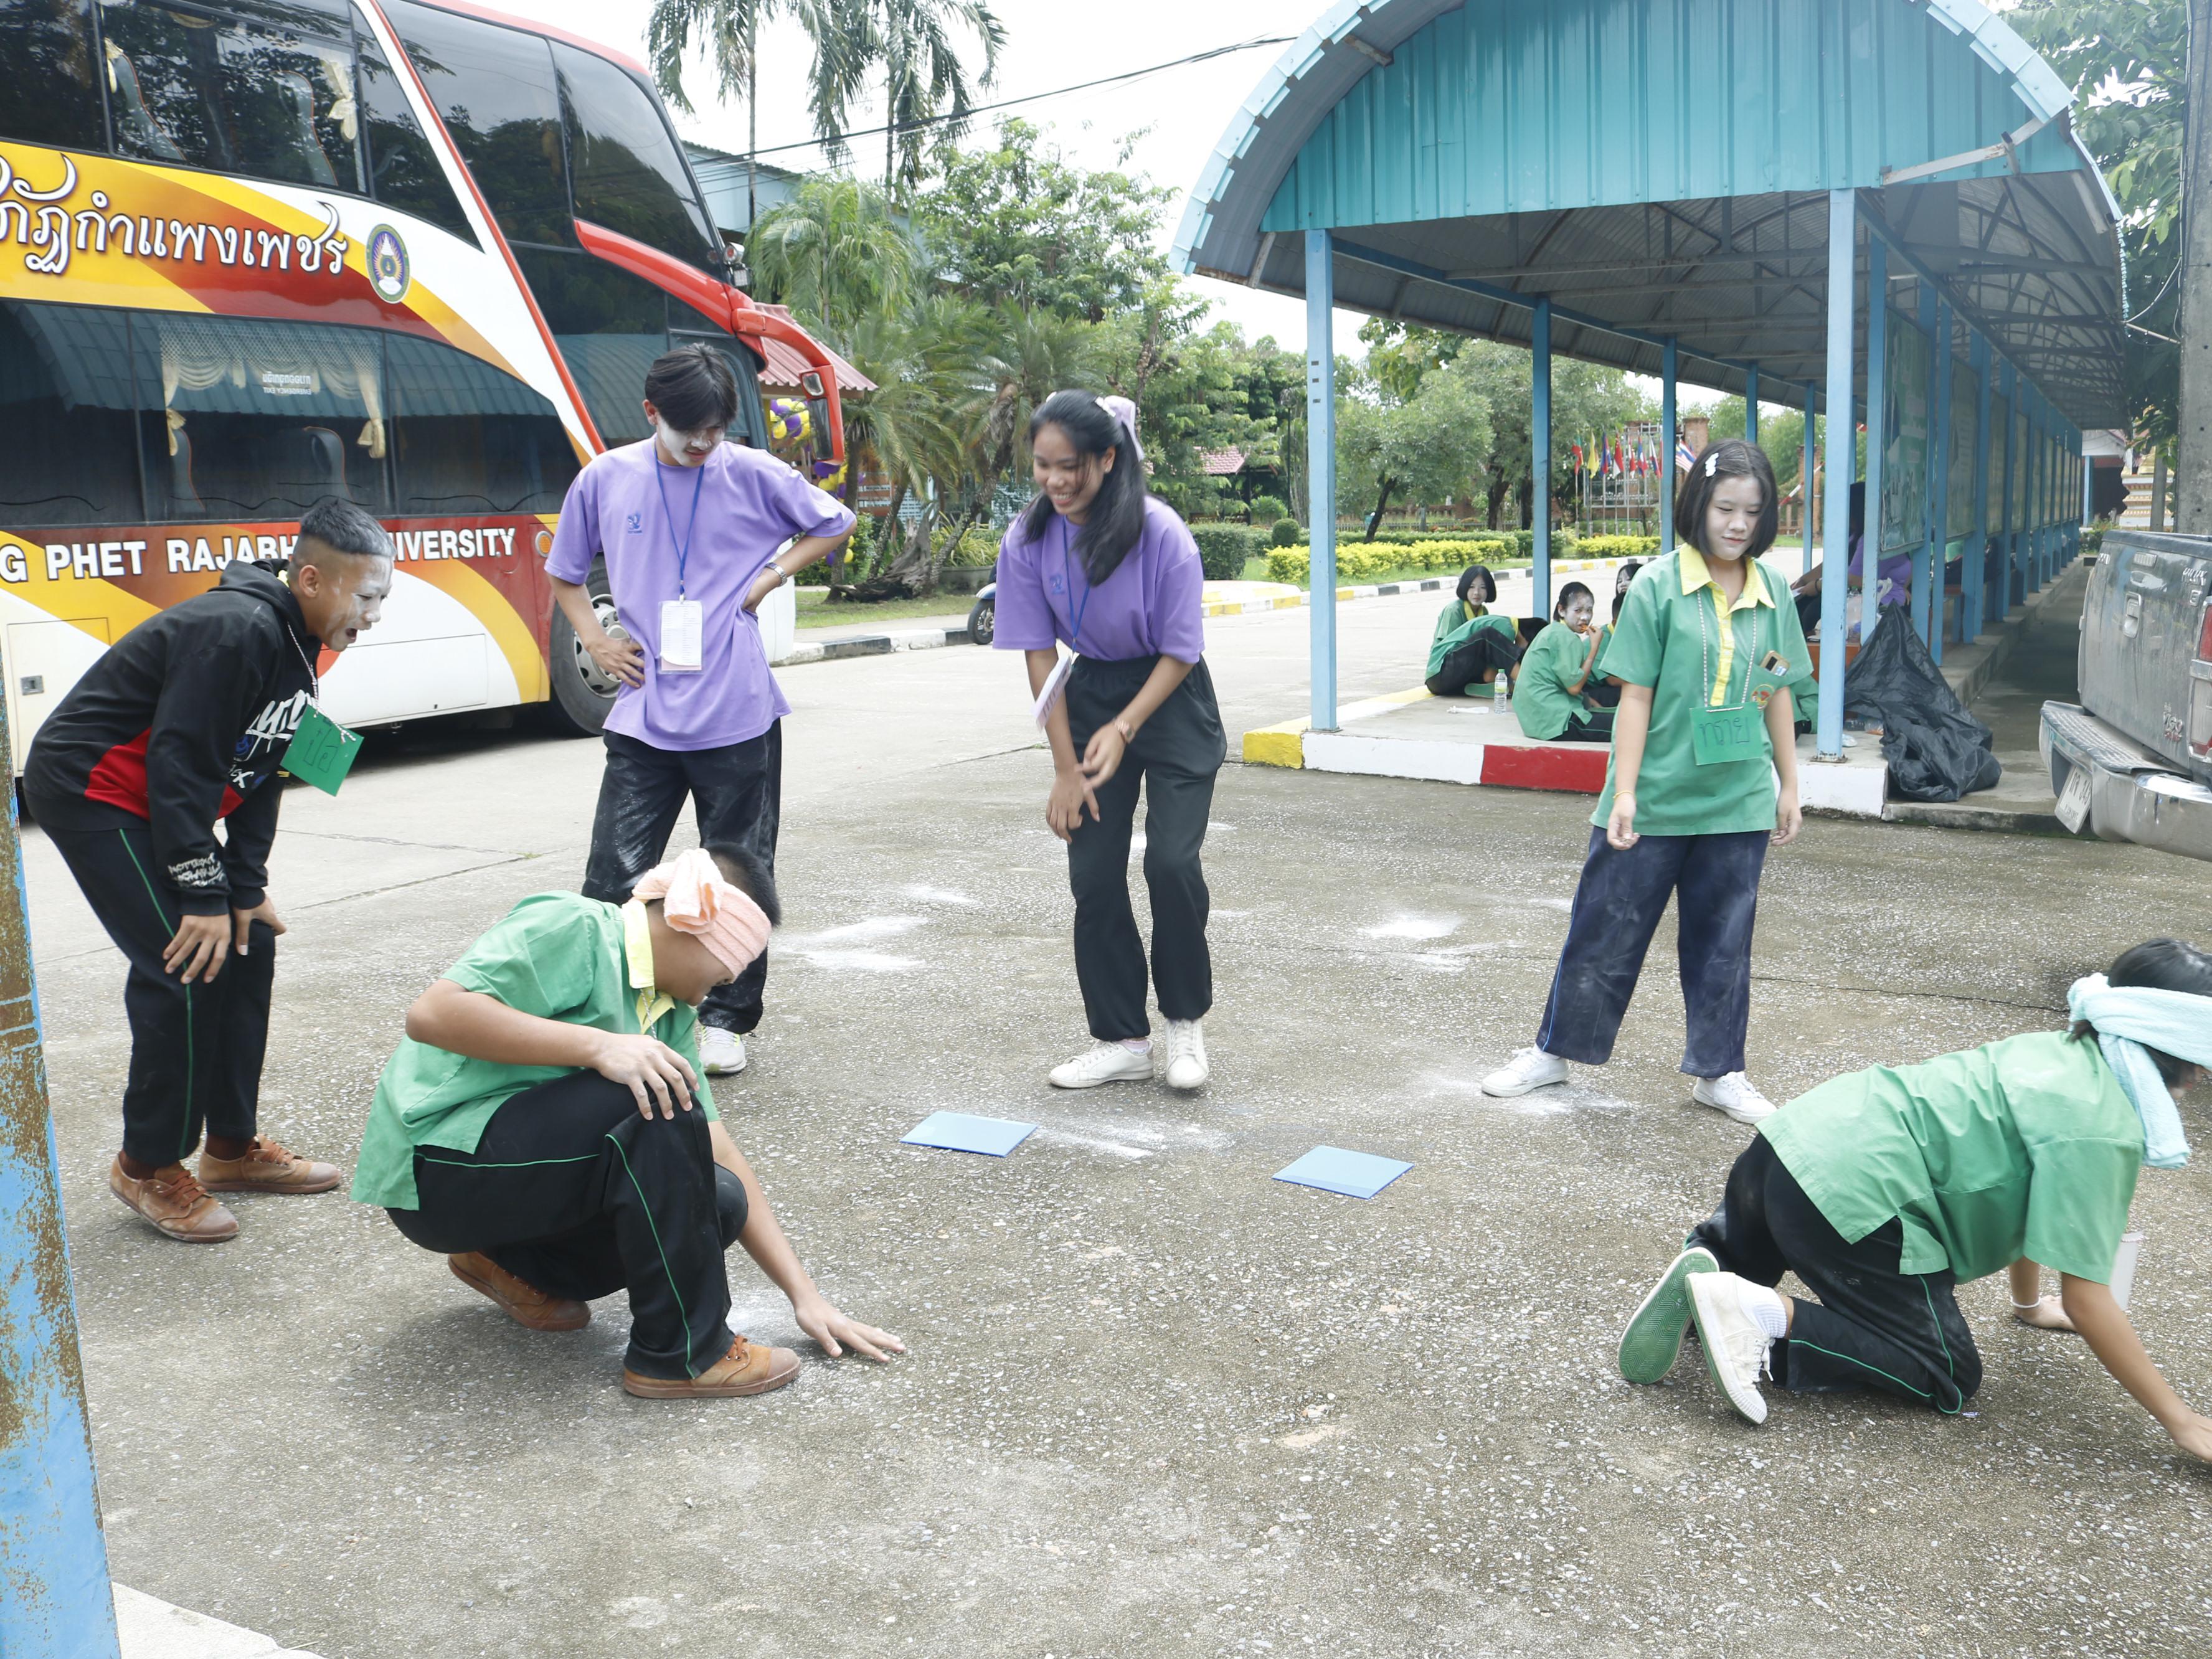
(957, 1131)
(1356, 1175)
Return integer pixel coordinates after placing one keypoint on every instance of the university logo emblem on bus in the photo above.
(387, 264)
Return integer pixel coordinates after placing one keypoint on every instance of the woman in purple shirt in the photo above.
(1097, 561)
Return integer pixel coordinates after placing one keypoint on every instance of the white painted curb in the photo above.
(153, 1629)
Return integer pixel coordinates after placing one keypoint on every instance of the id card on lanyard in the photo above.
(683, 621)
(321, 751)
(1056, 682)
(1734, 732)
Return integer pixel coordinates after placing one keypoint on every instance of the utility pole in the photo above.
(2192, 481)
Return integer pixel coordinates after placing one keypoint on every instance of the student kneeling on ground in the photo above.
(1470, 646)
(1883, 1190)
(1551, 694)
(544, 1124)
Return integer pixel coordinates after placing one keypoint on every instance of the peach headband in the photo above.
(695, 900)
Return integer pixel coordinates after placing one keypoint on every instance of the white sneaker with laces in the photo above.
(722, 1052)
(1108, 1062)
(1529, 1068)
(1734, 1094)
(1182, 1061)
(1735, 1344)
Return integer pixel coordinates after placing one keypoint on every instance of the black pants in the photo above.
(1874, 1326)
(196, 1050)
(1465, 664)
(1177, 754)
(1617, 910)
(572, 1190)
(737, 797)
(1593, 726)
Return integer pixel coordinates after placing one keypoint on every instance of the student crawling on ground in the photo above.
(546, 1125)
(1886, 1189)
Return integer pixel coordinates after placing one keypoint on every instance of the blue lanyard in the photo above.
(684, 547)
(1067, 579)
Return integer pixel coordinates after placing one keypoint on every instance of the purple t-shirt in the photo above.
(750, 505)
(1149, 607)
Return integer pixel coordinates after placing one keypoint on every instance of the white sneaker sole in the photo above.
(1745, 1397)
(1514, 1092)
(1177, 1079)
(1133, 1076)
(723, 1068)
(1746, 1115)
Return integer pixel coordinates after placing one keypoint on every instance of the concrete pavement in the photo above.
(1156, 1403)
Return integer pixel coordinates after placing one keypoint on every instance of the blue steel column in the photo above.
(1939, 482)
(1835, 547)
(1751, 403)
(55, 1601)
(1810, 471)
(2030, 518)
(1877, 426)
(2008, 532)
(1975, 603)
(2088, 492)
(1927, 319)
(1540, 455)
(1668, 440)
(1321, 472)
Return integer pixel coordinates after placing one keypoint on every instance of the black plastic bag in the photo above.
(1935, 749)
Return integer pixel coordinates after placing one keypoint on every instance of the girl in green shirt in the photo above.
(1705, 648)
(1884, 1190)
(1549, 694)
(1470, 646)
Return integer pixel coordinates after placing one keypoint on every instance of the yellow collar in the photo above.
(1695, 575)
(637, 959)
(1470, 609)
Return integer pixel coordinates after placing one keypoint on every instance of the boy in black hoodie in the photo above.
(184, 723)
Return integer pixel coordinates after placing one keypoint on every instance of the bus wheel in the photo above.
(583, 694)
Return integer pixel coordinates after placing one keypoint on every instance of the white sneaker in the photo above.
(722, 1052)
(1734, 1094)
(1529, 1068)
(1109, 1062)
(1182, 1058)
(1735, 1344)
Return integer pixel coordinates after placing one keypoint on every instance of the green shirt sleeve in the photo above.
(1639, 645)
(2078, 1194)
(539, 959)
(681, 1033)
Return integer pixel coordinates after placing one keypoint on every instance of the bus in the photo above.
(413, 253)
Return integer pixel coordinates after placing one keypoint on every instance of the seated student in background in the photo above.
(1470, 645)
(1886, 1189)
(546, 1124)
(1548, 693)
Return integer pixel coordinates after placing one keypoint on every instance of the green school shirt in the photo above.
(1456, 622)
(1670, 638)
(2024, 1147)
(1540, 698)
(559, 955)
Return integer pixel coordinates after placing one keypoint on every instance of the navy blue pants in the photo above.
(1874, 1326)
(1617, 910)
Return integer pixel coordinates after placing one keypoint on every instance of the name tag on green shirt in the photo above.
(1720, 735)
(321, 751)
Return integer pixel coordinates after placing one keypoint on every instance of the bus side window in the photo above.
(630, 177)
(269, 102)
(403, 170)
(66, 403)
(243, 417)
(469, 439)
(608, 326)
(46, 63)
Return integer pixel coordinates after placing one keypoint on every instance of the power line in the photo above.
(1010, 103)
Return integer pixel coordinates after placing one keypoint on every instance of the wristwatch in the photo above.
(782, 575)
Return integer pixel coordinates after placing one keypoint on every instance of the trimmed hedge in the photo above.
(1266, 509)
(1615, 547)
(1221, 550)
(1285, 533)
(1355, 560)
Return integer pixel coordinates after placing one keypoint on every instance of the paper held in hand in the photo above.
(1055, 683)
(321, 750)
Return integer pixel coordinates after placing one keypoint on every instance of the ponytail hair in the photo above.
(1115, 522)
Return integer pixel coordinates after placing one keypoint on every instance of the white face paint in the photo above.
(1579, 610)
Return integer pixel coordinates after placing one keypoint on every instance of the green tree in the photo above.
(912, 430)
(928, 91)
(2126, 61)
(834, 254)
(1429, 448)
(1017, 223)
(729, 32)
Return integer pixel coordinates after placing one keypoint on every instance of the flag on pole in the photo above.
(1684, 461)
(1577, 450)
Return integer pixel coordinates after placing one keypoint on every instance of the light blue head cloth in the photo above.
(2130, 1019)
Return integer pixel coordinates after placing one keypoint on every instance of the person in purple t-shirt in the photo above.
(690, 527)
(1098, 561)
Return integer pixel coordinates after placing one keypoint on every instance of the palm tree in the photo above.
(923, 77)
(1030, 355)
(834, 254)
(911, 430)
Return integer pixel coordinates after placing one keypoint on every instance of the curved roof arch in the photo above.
(1660, 168)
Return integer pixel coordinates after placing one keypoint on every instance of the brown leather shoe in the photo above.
(748, 1368)
(266, 1168)
(175, 1202)
(525, 1304)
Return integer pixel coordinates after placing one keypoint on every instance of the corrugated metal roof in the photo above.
(1660, 168)
(785, 366)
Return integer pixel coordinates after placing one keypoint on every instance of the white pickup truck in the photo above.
(2133, 759)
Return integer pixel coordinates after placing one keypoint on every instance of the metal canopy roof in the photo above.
(1660, 168)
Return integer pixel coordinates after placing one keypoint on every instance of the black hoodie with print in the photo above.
(183, 722)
